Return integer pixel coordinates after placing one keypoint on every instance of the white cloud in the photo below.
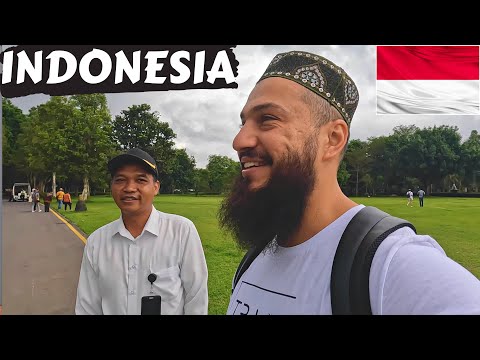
(206, 121)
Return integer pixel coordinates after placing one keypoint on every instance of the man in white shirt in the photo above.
(287, 201)
(145, 252)
(410, 198)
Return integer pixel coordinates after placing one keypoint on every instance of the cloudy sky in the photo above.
(206, 121)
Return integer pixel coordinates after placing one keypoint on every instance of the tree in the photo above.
(400, 157)
(342, 174)
(357, 158)
(201, 181)
(451, 181)
(139, 127)
(438, 155)
(378, 168)
(221, 170)
(12, 120)
(368, 181)
(6, 147)
(470, 154)
(183, 171)
(89, 139)
(44, 141)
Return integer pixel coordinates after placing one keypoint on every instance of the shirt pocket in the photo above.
(168, 283)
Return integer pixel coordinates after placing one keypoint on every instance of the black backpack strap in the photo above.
(245, 263)
(349, 287)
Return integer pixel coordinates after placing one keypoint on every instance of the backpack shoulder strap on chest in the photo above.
(245, 263)
(349, 283)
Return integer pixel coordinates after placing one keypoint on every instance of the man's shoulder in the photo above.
(107, 229)
(398, 228)
(174, 218)
(406, 237)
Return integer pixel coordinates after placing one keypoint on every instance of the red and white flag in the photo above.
(428, 80)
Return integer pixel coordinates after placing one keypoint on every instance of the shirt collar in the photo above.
(151, 226)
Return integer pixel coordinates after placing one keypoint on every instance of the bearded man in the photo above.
(287, 202)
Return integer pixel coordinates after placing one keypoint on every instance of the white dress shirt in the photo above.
(115, 268)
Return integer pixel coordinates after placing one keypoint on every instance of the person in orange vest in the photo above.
(67, 200)
(60, 198)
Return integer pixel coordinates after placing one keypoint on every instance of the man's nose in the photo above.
(130, 186)
(246, 138)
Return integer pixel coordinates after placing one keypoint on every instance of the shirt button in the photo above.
(134, 267)
(132, 292)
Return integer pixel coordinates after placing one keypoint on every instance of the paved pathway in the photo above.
(41, 262)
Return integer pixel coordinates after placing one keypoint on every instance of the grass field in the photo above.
(453, 222)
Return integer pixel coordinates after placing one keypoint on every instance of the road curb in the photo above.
(79, 233)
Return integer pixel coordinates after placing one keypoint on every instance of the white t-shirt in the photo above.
(115, 268)
(410, 274)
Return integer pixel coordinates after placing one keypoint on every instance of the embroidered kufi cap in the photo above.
(319, 75)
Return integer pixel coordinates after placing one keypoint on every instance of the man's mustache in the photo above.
(255, 154)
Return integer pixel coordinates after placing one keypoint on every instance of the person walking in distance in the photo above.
(410, 198)
(421, 195)
(67, 200)
(47, 201)
(60, 198)
(36, 200)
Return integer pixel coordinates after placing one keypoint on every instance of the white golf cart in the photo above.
(21, 191)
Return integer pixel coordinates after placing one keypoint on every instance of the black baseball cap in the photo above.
(134, 156)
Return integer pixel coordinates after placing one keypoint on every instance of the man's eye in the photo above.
(267, 117)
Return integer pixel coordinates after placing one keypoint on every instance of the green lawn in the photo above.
(453, 222)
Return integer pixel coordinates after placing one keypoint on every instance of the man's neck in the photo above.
(321, 210)
(135, 223)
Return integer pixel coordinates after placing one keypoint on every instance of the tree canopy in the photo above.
(75, 136)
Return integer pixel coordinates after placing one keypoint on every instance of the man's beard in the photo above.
(256, 218)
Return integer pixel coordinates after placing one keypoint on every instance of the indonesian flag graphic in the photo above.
(428, 80)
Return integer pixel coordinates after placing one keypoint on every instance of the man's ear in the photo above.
(337, 133)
